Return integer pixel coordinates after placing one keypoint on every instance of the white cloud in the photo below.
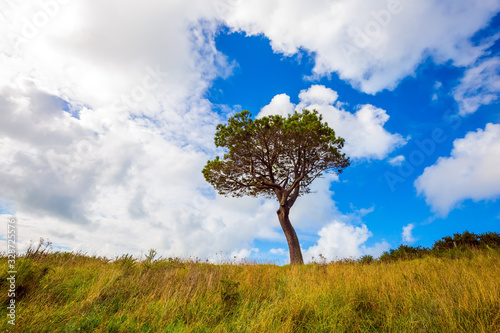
(315, 209)
(377, 249)
(278, 251)
(318, 94)
(280, 104)
(363, 130)
(480, 85)
(243, 254)
(341, 240)
(407, 233)
(471, 172)
(372, 45)
(397, 160)
(105, 130)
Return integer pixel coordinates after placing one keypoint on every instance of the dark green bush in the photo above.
(404, 252)
(491, 239)
(467, 240)
(456, 246)
(366, 259)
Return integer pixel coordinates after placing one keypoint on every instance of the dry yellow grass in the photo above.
(74, 293)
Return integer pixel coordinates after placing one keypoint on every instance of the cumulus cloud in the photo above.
(104, 129)
(480, 85)
(120, 190)
(280, 104)
(312, 211)
(341, 240)
(471, 172)
(407, 233)
(278, 251)
(318, 94)
(243, 254)
(363, 130)
(372, 45)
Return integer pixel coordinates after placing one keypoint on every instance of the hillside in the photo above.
(457, 291)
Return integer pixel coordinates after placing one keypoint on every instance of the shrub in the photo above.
(491, 239)
(404, 252)
(366, 259)
(467, 240)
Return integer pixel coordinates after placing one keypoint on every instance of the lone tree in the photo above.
(275, 156)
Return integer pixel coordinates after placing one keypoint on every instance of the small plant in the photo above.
(150, 257)
(126, 260)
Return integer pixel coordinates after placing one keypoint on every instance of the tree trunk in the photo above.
(291, 236)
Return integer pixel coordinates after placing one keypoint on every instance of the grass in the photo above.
(68, 292)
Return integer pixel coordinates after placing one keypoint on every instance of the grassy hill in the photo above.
(453, 289)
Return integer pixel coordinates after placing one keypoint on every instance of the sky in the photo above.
(108, 112)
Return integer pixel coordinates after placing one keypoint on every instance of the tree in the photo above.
(275, 157)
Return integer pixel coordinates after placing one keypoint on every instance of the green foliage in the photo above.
(150, 257)
(125, 260)
(273, 152)
(404, 252)
(491, 239)
(468, 240)
(458, 245)
(366, 259)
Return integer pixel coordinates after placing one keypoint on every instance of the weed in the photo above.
(39, 251)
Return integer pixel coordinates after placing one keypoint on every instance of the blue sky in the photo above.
(107, 123)
(416, 108)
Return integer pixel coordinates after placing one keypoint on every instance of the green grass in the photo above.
(66, 292)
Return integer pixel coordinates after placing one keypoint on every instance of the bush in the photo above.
(404, 252)
(456, 246)
(366, 259)
(491, 239)
(467, 240)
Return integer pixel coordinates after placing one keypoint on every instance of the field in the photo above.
(68, 292)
